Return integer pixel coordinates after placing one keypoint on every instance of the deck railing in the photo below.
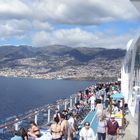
(41, 116)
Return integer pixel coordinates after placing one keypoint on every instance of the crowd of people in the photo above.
(65, 125)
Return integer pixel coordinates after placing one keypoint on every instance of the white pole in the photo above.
(36, 117)
(49, 113)
(65, 105)
(58, 106)
(16, 125)
(75, 99)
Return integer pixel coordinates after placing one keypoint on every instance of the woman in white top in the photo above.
(87, 133)
(101, 130)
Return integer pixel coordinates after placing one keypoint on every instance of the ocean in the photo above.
(18, 95)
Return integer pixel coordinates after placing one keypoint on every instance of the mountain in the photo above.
(81, 54)
(60, 60)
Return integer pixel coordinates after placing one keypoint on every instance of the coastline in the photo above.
(42, 77)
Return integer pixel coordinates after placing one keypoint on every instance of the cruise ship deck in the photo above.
(43, 117)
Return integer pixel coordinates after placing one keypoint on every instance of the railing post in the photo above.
(16, 124)
(35, 120)
(75, 99)
(58, 106)
(70, 102)
(65, 105)
(49, 113)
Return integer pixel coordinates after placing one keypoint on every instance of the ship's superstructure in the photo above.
(130, 72)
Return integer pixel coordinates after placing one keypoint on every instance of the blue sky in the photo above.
(75, 23)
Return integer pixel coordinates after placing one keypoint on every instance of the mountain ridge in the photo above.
(29, 51)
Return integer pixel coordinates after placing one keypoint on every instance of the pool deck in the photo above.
(92, 119)
(130, 132)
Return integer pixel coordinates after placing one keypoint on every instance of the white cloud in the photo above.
(12, 28)
(86, 12)
(14, 9)
(40, 39)
(45, 19)
(21, 29)
(40, 25)
(79, 38)
(69, 11)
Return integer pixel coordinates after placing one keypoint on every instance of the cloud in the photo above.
(80, 38)
(78, 12)
(87, 12)
(21, 29)
(14, 28)
(40, 25)
(43, 21)
(14, 9)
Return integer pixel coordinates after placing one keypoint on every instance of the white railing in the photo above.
(41, 116)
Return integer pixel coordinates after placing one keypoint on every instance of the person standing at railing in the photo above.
(34, 131)
(64, 127)
(87, 133)
(56, 129)
(23, 133)
(57, 113)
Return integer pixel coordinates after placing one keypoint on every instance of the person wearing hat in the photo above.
(112, 128)
(87, 133)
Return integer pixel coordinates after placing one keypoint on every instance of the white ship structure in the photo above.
(130, 72)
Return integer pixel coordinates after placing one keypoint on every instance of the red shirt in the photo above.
(112, 127)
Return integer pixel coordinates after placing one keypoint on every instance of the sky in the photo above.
(75, 23)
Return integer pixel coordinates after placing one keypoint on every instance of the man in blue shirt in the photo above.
(16, 137)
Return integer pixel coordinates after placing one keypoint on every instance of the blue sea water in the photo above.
(18, 95)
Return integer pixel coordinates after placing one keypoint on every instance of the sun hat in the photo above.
(112, 116)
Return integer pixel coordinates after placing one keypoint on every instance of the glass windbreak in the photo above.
(137, 60)
(128, 61)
